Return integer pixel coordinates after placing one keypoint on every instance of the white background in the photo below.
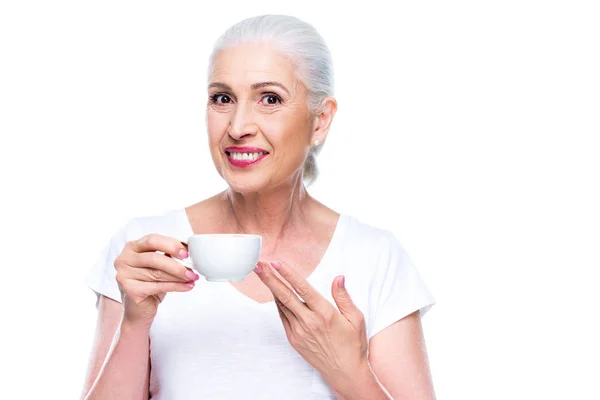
(469, 128)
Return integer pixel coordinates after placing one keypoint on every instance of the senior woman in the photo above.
(333, 308)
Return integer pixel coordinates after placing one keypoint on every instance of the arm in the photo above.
(120, 370)
(364, 385)
(145, 274)
(398, 357)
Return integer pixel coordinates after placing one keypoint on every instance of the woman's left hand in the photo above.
(333, 342)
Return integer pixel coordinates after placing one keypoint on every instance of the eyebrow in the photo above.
(269, 83)
(260, 85)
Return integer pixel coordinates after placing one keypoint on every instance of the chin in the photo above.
(247, 185)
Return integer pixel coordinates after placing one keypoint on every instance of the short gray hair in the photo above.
(301, 43)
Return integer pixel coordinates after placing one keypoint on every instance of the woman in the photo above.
(270, 107)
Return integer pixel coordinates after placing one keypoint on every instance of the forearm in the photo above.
(125, 370)
(371, 392)
(364, 385)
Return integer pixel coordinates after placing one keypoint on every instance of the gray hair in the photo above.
(301, 43)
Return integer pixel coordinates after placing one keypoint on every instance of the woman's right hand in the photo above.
(145, 276)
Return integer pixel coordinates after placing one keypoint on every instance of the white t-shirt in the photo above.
(215, 343)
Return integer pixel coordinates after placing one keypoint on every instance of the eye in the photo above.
(220, 98)
(271, 99)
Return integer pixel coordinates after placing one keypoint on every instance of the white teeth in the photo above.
(246, 156)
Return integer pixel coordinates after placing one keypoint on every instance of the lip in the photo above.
(244, 149)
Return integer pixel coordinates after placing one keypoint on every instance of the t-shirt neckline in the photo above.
(333, 244)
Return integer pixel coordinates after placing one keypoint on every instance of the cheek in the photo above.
(289, 136)
(297, 133)
(286, 129)
(216, 125)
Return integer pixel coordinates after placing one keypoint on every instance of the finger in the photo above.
(344, 302)
(156, 275)
(300, 285)
(159, 267)
(280, 291)
(285, 312)
(142, 290)
(155, 242)
(285, 316)
(154, 288)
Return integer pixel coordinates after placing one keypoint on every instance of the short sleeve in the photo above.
(397, 289)
(102, 276)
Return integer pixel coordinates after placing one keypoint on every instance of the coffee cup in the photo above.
(223, 257)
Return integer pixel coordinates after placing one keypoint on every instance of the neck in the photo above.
(269, 213)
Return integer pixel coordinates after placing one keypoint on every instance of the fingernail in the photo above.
(182, 254)
(342, 282)
(276, 265)
(258, 268)
(190, 284)
(191, 275)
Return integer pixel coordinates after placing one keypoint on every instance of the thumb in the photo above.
(344, 301)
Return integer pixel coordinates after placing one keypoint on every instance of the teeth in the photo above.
(246, 156)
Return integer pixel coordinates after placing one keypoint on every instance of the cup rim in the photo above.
(230, 235)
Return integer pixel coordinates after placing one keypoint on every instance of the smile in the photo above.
(245, 157)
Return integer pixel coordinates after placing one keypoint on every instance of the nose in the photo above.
(241, 124)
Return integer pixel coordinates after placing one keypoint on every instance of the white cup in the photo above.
(223, 257)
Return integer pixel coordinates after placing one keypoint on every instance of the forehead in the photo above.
(245, 64)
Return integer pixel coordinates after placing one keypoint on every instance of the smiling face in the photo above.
(259, 125)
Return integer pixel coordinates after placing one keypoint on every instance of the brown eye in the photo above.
(221, 99)
(271, 99)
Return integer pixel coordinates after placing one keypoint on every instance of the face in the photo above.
(259, 125)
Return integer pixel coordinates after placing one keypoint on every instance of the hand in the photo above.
(145, 276)
(334, 342)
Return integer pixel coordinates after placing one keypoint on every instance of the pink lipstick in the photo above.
(245, 156)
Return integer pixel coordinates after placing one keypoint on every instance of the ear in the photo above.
(322, 121)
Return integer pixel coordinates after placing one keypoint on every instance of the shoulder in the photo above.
(371, 254)
(207, 215)
(363, 236)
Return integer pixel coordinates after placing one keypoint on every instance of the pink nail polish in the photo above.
(276, 265)
(258, 269)
(190, 284)
(191, 275)
(342, 282)
(182, 254)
